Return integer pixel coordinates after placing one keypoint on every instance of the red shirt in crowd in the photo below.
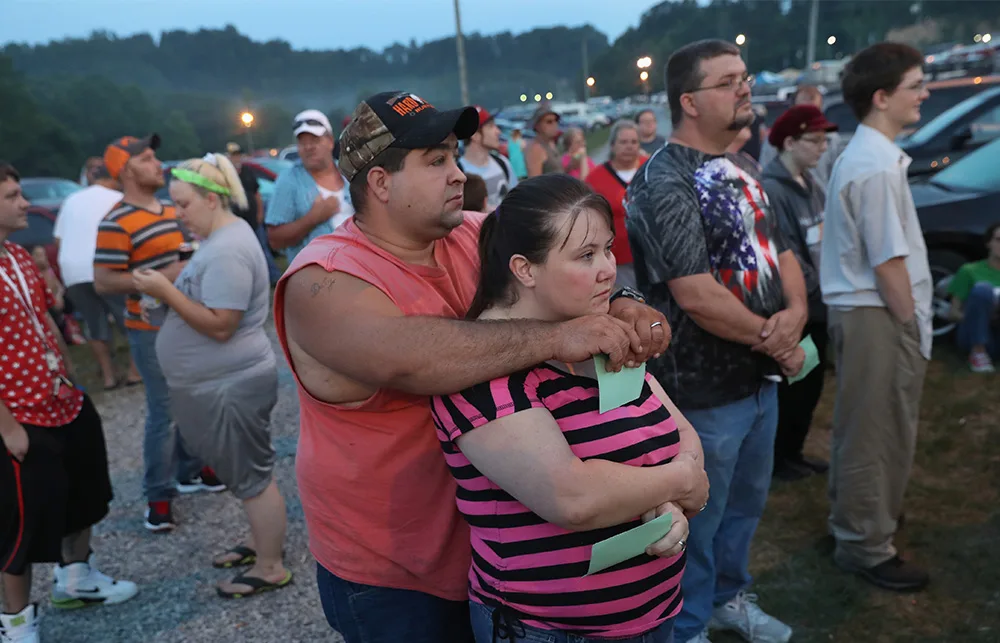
(26, 384)
(606, 182)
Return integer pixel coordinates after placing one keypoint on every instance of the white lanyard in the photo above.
(24, 296)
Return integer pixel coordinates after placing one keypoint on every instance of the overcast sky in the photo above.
(310, 24)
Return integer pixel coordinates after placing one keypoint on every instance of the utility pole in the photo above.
(811, 46)
(586, 71)
(463, 79)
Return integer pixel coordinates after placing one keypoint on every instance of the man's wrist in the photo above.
(628, 293)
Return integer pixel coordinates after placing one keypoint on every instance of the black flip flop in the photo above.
(114, 387)
(132, 382)
(257, 585)
(247, 557)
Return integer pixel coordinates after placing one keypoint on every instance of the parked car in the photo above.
(48, 192)
(41, 223)
(954, 133)
(290, 153)
(955, 206)
(944, 95)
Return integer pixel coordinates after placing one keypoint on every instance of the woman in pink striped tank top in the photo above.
(542, 475)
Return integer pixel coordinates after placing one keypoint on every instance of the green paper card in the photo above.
(618, 388)
(812, 359)
(630, 544)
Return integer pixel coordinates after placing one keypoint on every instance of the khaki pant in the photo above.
(880, 376)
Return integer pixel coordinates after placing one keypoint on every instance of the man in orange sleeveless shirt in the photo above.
(370, 318)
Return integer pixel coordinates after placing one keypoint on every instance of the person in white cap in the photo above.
(311, 198)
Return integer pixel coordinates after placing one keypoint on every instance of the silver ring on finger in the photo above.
(655, 324)
(682, 544)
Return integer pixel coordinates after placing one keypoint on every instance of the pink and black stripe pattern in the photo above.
(535, 569)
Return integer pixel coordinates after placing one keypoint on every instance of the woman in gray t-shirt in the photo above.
(219, 364)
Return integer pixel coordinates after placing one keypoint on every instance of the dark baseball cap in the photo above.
(401, 120)
(798, 120)
(117, 154)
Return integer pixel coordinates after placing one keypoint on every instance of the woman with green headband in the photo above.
(219, 364)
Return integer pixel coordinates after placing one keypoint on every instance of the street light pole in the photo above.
(811, 45)
(586, 71)
(247, 118)
(460, 46)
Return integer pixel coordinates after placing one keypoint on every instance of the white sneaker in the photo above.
(21, 627)
(742, 616)
(81, 584)
(701, 638)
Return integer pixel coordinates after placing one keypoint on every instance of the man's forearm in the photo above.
(893, 282)
(291, 234)
(7, 422)
(437, 356)
(60, 341)
(108, 281)
(720, 313)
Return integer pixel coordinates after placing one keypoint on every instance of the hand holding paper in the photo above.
(629, 544)
(811, 360)
(617, 389)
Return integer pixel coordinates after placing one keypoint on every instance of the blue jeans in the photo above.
(482, 627)
(163, 454)
(738, 440)
(273, 273)
(369, 614)
(979, 326)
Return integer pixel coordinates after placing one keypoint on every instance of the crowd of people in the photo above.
(454, 465)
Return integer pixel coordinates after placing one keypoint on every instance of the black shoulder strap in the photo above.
(611, 171)
(503, 166)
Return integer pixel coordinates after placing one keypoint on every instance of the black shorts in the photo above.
(62, 487)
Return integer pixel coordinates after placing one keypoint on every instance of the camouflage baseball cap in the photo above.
(402, 120)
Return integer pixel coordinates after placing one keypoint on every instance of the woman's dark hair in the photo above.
(527, 222)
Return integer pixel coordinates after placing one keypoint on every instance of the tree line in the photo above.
(776, 32)
(65, 100)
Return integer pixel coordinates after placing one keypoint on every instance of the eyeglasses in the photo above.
(813, 140)
(730, 84)
(309, 121)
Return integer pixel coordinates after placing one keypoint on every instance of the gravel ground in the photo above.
(177, 601)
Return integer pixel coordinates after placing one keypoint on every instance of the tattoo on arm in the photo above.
(318, 287)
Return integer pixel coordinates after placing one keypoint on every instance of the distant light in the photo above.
(590, 81)
(934, 163)
(524, 97)
(929, 59)
(538, 97)
(987, 37)
(946, 160)
(978, 80)
(741, 40)
(273, 152)
(832, 40)
(816, 65)
(548, 95)
(247, 118)
(644, 75)
(977, 38)
(644, 62)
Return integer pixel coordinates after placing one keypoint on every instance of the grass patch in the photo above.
(952, 522)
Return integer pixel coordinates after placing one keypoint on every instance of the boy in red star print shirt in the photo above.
(54, 482)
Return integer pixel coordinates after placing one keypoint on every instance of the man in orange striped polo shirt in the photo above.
(142, 232)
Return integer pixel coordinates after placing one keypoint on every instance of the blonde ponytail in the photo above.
(219, 169)
(237, 195)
